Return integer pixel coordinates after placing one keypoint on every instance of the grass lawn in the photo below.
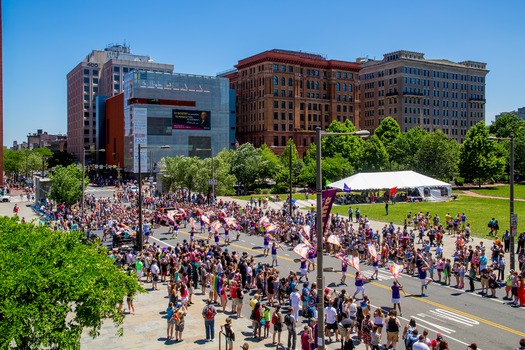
(502, 191)
(478, 210)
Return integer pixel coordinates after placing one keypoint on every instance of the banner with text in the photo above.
(190, 120)
(328, 197)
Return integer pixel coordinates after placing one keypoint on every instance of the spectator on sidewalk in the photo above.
(291, 324)
(208, 313)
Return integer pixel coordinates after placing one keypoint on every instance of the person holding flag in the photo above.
(266, 244)
(275, 246)
(303, 271)
(344, 268)
(359, 284)
(396, 296)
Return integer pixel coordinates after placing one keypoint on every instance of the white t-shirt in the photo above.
(295, 298)
(331, 314)
(420, 346)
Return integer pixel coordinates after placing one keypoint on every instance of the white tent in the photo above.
(400, 179)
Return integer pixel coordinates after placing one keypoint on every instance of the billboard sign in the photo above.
(191, 120)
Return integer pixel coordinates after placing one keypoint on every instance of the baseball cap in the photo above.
(439, 336)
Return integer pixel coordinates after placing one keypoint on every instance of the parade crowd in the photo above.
(286, 301)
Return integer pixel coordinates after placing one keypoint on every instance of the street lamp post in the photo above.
(139, 241)
(319, 189)
(513, 217)
(291, 205)
(83, 184)
(212, 169)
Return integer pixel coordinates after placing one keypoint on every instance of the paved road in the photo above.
(460, 316)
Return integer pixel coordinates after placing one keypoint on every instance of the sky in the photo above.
(44, 40)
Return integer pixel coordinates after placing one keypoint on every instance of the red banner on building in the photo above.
(328, 197)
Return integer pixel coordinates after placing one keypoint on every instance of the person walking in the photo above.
(291, 324)
(392, 329)
(277, 320)
(229, 334)
(208, 313)
(396, 296)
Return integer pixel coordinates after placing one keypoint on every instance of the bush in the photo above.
(280, 189)
(459, 181)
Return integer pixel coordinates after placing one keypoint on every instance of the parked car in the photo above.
(5, 198)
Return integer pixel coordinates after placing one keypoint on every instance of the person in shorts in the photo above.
(392, 329)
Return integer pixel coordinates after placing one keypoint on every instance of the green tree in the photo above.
(66, 184)
(478, 158)
(225, 179)
(245, 164)
(388, 131)
(350, 147)
(270, 164)
(374, 156)
(506, 125)
(405, 147)
(334, 168)
(283, 175)
(438, 156)
(53, 287)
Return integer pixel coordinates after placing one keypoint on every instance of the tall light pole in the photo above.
(83, 185)
(513, 217)
(139, 239)
(319, 191)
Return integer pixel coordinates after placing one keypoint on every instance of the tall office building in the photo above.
(284, 94)
(101, 73)
(435, 94)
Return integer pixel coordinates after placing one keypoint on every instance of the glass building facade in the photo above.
(192, 114)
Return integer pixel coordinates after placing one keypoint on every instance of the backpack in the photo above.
(409, 343)
(287, 320)
(209, 313)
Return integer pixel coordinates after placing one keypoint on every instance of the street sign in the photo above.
(212, 182)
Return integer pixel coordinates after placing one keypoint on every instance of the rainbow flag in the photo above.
(205, 219)
(216, 225)
(270, 227)
(264, 221)
(192, 222)
(306, 236)
(354, 262)
(395, 269)
(302, 250)
(216, 284)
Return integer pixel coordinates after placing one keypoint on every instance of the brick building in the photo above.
(284, 94)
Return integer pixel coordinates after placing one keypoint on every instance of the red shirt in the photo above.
(233, 292)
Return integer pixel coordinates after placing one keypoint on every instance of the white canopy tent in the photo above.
(428, 188)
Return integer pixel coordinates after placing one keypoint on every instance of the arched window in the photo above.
(317, 85)
(275, 80)
(337, 87)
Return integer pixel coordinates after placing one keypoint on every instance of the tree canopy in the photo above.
(437, 156)
(53, 287)
(478, 159)
(66, 184)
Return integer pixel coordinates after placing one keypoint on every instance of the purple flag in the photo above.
(346, 188)
(328, 197)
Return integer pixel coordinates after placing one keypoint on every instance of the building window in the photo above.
(95, 72)
(275, 104)
(290, 69)
(275, 67)
(283, 116)
(275, 127)
(290, 82)
(275, 92)
(276, 140)
(337, 87)
(275, 115)
(275, 80)
(283, 68)
(290, 116)
(86, 71)
(290, 105)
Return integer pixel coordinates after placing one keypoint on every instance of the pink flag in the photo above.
(205, 219)
(171, 215)
(334, 239)
(264, 221)
(395, 269)
(192, 222)
(302, 250)
(216, 225)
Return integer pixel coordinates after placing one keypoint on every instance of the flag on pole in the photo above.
(346, 188)
(395, 269)
(305, 237)
(327, 197)
(302, 250)
(205, 219)
(192, 222)
(334, 239)
(328, 182)
(393, 191)
(216, 225)
(216, 284)
(354, 262)
(264, 221)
